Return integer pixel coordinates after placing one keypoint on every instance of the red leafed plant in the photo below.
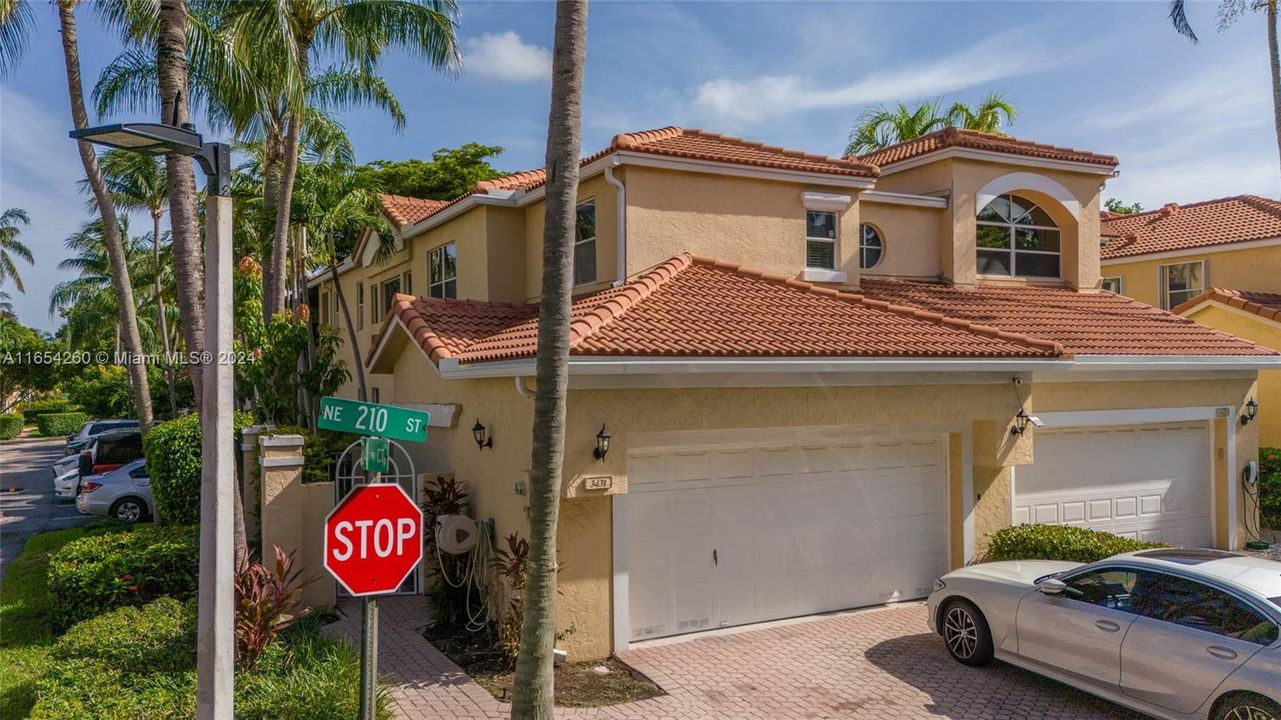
(267, 600)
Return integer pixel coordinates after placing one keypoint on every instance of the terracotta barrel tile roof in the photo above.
(1264, 304)
(702, 145)
(1084, 323)
(409, 210)
(974, 140)
(1205, 224)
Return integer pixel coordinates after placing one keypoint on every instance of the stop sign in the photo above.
(373, 539)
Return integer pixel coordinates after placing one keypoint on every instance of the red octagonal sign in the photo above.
(373, 539)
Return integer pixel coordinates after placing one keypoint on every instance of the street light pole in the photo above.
(215, 614)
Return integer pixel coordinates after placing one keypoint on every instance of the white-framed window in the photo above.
(1113, 284)
(360, 305)
(1016, 238)
(324, 308)
(390, 288)
(871, 246)
(442, 271)
(585, 243)
(407, 283)
(820, 240)
(1180, 282)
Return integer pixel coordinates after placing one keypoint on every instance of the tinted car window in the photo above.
(138, 472)
(1195, 605)
(1116, 588)
(120, 450)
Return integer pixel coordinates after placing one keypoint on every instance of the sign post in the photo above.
(374, 537)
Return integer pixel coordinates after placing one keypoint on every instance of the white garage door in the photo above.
(1150, 482)
(724, 534)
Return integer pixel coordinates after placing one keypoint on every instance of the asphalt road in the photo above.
(25, 464)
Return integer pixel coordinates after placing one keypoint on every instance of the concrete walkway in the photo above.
(871, 664)
(26, 464)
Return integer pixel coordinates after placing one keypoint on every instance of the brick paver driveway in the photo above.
(878, 663)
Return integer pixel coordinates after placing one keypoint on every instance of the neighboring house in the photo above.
(1217, 262)
(815, 373)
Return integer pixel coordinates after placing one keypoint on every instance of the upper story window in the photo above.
(1181, 282)
(407, 283)
(1017, 238)
(585, 243)
(870, 246)
(360, 305)
(390, 288)
(820, 240)
(1114, 284)
(442, 271)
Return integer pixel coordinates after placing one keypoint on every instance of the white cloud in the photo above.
(1000, 56)
(504, 56)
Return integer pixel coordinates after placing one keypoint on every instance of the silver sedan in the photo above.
(123, 493)
(1174, 633)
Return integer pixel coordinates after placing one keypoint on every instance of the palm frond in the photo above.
(17, 25)
(1179, 18)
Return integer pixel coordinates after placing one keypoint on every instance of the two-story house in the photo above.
(801, 383)
(1217, 262)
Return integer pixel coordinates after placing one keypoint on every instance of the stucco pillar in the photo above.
(995, 451)
(249, 475)
(293, 514)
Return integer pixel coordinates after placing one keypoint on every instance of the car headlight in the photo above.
(939, 584)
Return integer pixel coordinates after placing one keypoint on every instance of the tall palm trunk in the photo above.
(270, 195)
(1274, 58)
(161, 322)
(171, 66)
(359, 360)
(275, 301)
(533, 694)
(128, 320)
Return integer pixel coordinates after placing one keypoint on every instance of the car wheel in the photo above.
(128, 510)
(1247, 706)
(965, 631)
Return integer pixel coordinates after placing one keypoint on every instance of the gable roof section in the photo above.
(408, 210)
(698, 307)
(974, 140)
(1099, 323)
(1210, 223)
(1265, 305)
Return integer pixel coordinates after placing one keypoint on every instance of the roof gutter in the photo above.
(620, 214)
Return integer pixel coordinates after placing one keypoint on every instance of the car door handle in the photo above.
(1106, 625)
(1221, 652)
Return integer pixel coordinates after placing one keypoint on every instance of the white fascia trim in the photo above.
(1177, 362)
(396, 324)
(826, 202)
(893, 198)
(1203, 250)
(721, 168)
(322, 276)
(999, 157)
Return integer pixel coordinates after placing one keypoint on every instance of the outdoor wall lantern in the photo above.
(482, 436)
(1022, 420)
(1251, 411)
(602, 444)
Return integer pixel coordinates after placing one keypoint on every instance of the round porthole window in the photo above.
(870, 246)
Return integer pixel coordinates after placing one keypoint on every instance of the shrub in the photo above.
(10, 426)
(1270, 487)
(102, 572)
(174, 457)
(56, 424)
(102, 391)
(36, 408)
(157, 637)
(1058, 542)
(267, 600)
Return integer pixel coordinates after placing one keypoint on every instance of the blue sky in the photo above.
(1188, 122)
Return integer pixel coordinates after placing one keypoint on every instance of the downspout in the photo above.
(621, 213)
(522, 390)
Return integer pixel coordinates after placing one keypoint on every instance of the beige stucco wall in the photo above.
(910, 237)
(606, 238)
(293, 515)
(1257, 269)
(1263, 332)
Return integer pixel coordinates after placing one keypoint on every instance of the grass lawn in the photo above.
(26, 627)
(585, 684)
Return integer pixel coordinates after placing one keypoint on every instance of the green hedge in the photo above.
(64, 423)
(1058, 542)
(174, 458)
(159, 636)
(1270, 487)
(101, 572)
(33, 410)
(10, 426)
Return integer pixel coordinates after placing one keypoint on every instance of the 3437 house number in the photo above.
(599, 482)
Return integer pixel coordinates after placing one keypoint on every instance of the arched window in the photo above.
(870, 246)
(1017, 238)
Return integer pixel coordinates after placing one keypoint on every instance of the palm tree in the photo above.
(89, 296)
(880, 126)
(988, 116)
(1229, 11)
(17, 23)
(111, 227)
(290, 30)
(138, 182)
(533, 689)
(10, 246)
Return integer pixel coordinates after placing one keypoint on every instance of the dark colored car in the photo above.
(109, 451)
(93, 428)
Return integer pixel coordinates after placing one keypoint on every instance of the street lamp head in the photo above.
(149, 138)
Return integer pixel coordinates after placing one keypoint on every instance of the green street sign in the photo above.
(373, 454)
(362, 418)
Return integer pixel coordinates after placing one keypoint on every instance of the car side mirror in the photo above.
(1052, 586)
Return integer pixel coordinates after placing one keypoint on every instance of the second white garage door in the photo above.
(728, 533)
(1150, 482)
